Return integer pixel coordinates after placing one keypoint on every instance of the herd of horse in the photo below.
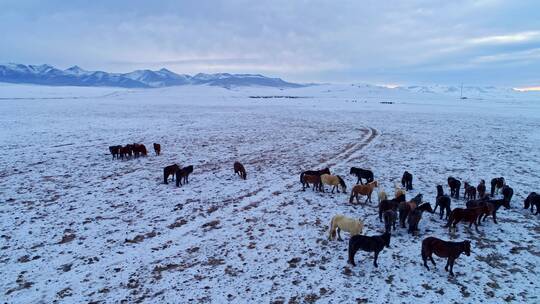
(479, 205)
(132, 150)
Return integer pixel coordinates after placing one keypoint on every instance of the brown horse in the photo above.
(444, 249)
(469, 191)
(139, 149)
(481, 189)
(315, 180)
(469, 215)
(414, 217)
(492, 205)
(168, 171)
(126, 152)
(240, 170)
(313, 172)
(366, 190)
(392, 204)
(157, 149)
(533, 199)
(183, 175)
(115, 151)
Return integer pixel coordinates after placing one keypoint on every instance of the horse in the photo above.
(183, 174)
(368, 243)
(533, 199)
(392, 204)
(470, 215)
(157, 149)
(496, 184)
(170, 170)
(311, 179)
(443, 202)
(454, 185)
(381, 195)
(340, 222)
(115, 151)
(313, 172)
(417, 199)
(444, 249)
(362, 174)
(481, 188)
(492, 207)
(139, 149)
(406, 180)
(240, 170)
(415, 216)
(440, 190)
(507, 193)
(333, 180)
(398, 191)
(404, 209)
(469, 191)
(126, 152)
(390, 217)
(366, 189)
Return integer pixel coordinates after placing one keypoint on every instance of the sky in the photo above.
(483, 42)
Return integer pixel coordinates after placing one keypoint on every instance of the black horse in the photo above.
(454, 185)
(170, 170)
(496, 184)
(481, 188)
(533, 199)
(368, 243)
(443, 202)
(440, 190)
(362, 174)
(406, 180)
(312, 172)
(391, 204)
(183, 175)
(507, 193)
(415, 216)
(390, 219)
(115, 151)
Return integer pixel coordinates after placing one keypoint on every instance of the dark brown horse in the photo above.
(126, 152)
(183, 175)
(361, 174)
(444, 249)
(390, 219)
(454, 185)
(481, 188)
(240, 170)
(492, 207)
(443, 202)
(157, 149)
(533, 199)
(468, 215)
(507, 193)
(368, 243)
(313, 172)
(496, 184)
(406, 207)
(406, 180)
(139, 149)
(115, 151)
(414, 217)
(168, 171)
(469, 191)
(315, 180)
(391, 204)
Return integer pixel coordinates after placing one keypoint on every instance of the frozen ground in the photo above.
(77, 226)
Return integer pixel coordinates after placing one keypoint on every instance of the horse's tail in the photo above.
(302, 177)
(450, 219)
(352, 196)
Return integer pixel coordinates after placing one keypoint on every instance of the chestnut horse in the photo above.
(311, 179)
(157, 149)
(444, 249)
(170, 170)
(139, 149)
(492, 205)
(368, 243)
(366, 190)
(313, 172)
(183, 175)
(533, 199)
(333, 180)
(496, 184)
(362, 174)
(240, 170)
(470, 215)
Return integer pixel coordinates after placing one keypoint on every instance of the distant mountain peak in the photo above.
(76, 76)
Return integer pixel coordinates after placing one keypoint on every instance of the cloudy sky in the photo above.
(483, 42)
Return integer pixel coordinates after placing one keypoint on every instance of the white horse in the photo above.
(340, 222)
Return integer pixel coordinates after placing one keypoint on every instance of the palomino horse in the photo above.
(340, 222)
(444, 249)
(366, 190)
(533, 199)
(496, 184)
(333, 180)
(240, 170)
(406, 180)
(369, 244)
(362, 174)
(315, 180)
(157, 149)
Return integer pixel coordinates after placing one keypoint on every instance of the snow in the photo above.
(77, 226)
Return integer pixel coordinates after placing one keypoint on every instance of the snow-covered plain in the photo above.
(77, 226)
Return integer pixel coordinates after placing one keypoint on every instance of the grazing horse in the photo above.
(444, 249)
(362, 174)
(470, 215)
(366, 190)
(492, 207)
(170, 170)
(333, 180)
(406, 180)
(240, 170)
(311, 179)
(454, 185)
(340, 222)
(115, 151)
(392, 204)
(507, 193)
(414, 217)
(469, 191)
(481, 188)
(533, 199)
(157, 149)
(369, 244)
(496, 184)
(313, 172)
(183, 174)
(390, 218)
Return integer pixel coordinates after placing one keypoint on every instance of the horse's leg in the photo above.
(357, 200)
(424, 258)
(333, 188)
(375, 259)
(451, 266)
(431, 258)
(338, 234)
(447, 264)
(495, 217)
(351, 256)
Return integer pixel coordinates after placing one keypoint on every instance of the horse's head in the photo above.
(325, 171)
(352, 170)
(467, 247)
(375, 184)
(342, 183)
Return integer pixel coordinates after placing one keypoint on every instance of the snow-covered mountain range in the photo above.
(75, 76)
